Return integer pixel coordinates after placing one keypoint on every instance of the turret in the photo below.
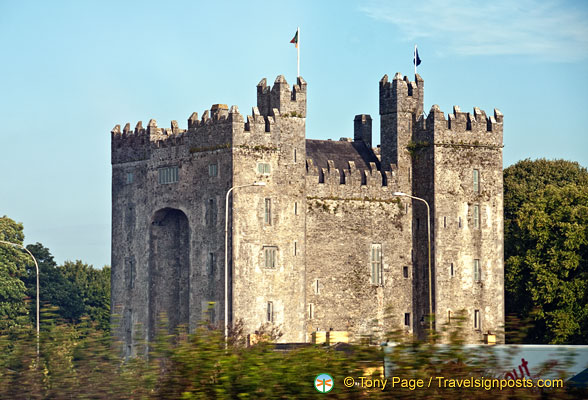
(280, 96)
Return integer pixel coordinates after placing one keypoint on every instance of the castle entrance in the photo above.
(169, 270)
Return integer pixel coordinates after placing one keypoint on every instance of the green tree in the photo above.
(93, 286)
(546, 249)
(13, 260)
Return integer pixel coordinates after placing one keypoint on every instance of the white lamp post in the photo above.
(37, 269)
(429, 250)
(227, 252)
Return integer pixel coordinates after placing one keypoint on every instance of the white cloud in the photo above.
(552, 30)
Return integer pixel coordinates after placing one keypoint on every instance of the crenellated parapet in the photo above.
(461, 128)
(281, 97)
(350, 181)
(401, 95)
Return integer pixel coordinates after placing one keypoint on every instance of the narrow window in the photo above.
(310, 311)
(476, 216)
(130, 272)
(213, 170)
(211, 212)
(212, 312)
(315, 286)
(451, 271)
(263, 168)
(211, 264)
(448, 317)
(294, 155)
(129, 178)
(444, 222)
(409, 174)
(268, 212)
(168, 175)
(295, 208)
(477, 272)
(459, 222)
(405, 272)
(476, 181)
(405, 208)
(270, 257)
(412, 255)
(477, 319)
(295, 247)
(376, 264)
(406, 319)
(270, 311)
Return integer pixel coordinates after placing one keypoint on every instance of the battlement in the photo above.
(401, 95)
(281, 97)
(350, 178)
(462, 127)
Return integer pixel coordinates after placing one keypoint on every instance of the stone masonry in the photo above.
(326, 244)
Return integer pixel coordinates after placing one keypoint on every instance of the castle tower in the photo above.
(401, 104)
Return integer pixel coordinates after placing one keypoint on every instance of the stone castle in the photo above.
(328, 243)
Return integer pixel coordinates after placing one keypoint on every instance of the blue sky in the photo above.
(72, 70)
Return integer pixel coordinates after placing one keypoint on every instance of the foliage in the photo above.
(82, 362)
(546, 249)
(75, 288)
(13, 310)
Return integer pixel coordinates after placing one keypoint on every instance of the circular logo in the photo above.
(324, 383)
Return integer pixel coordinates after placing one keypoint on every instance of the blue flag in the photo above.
(416, 59)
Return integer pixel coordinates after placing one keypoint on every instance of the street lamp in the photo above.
(227, 252)
(37, 269)
(429, 250)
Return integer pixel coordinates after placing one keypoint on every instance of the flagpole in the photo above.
(298, 51)
(414, 59)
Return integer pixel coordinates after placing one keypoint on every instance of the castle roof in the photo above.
(340, 152)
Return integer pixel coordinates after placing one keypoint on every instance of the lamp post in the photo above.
(227, 252)
(429, 251)
(37, 270)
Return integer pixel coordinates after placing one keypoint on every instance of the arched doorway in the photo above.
(169, 270)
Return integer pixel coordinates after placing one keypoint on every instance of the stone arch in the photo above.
(169, 270)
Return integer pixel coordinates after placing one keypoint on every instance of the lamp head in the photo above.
(258, 183)
(399, 194)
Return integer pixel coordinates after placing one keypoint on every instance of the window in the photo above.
(270, 311)
(406, 319)
(129, 178)
(477, 320)
(477, 272)
(310, 311)
(168, 175)
(476, 216)
(294, 155)
(211, 212)
(295, 247)
(270, 257)
(315, 286)
(405, 272)
(211, 311)
(448, 317)
(295, 208)
(444, 222)
(267, 216)
(263, 168)
(213, 170)
(451, 271)
(476, 181)
(376, 264)
(130, 272)
(459, 222)
(211, 264)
